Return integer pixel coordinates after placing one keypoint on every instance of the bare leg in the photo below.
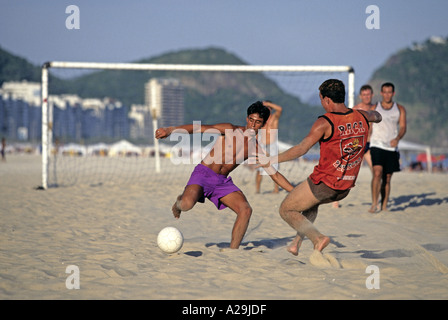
(294, 247)
(238, 203)
(276, 190)
(187, 199)
(376, 187)
(368, 159)
(258, 179)
(385, 191)
(295, 244)
(176, 207)
(300, 200)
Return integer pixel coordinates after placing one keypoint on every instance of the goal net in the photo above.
(98, 127)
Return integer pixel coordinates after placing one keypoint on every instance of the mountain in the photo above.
(14, 68)
(419, 74)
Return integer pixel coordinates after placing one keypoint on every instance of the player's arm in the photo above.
(273, 106)
(320, 129)
(273, 173)
(280, 180)
(164, 132)
(402, 126)
(372, 115)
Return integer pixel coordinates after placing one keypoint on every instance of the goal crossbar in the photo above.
(47, 116)
(194, 67)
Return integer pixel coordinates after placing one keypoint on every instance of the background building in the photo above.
(165, 97)
(91, 120)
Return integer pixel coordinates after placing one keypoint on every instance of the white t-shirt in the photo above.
(386, 130)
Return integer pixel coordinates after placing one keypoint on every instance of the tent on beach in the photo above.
(73, 149)
(124, 148)
(99, 149)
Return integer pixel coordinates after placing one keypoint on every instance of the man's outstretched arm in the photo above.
(165, 132)
(280, 180)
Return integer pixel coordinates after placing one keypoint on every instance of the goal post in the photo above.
(47, 112)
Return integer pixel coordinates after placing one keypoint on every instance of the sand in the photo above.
(108, 232)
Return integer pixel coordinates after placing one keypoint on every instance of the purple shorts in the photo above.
(215, 185)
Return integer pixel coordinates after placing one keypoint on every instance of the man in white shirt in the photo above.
(384, 146)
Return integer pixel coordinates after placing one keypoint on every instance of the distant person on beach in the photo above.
(269, 142)
(3, 150)
(342, 134)
(210, 178)
(384, 146)
(366, 95)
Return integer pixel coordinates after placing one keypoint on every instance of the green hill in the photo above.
(14, 68)
(420, 77)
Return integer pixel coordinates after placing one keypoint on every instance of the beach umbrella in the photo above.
(423, 157)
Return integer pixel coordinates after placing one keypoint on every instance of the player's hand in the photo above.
(394, 143)
(162, 133)
(262, 161)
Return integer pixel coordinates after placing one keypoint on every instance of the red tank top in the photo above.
(341, 154)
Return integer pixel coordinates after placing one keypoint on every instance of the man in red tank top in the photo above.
(342, 134)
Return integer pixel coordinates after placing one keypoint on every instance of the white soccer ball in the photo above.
(170, 240)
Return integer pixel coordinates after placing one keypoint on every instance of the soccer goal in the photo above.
(99, 127)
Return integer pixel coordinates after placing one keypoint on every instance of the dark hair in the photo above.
(333, 89)
(258, 107)
(365, 87)
(388, 84)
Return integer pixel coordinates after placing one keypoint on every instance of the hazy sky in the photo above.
(281, 32)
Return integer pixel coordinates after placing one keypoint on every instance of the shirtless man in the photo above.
(268, 140)
(210, 178)
(342, 133)
(366, 95)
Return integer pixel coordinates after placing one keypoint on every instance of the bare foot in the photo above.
(294, 247)
(322, 242)
(374, 209)
(175, 208)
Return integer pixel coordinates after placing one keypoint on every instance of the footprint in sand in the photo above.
(325, 260)
(353, 264)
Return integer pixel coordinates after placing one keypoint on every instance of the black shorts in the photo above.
(325, 194)
(389, 160)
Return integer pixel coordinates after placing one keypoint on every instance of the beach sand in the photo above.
(109, 230)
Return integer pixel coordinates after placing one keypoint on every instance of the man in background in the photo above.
(268, 141)
(366, 95)
(384, 146)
